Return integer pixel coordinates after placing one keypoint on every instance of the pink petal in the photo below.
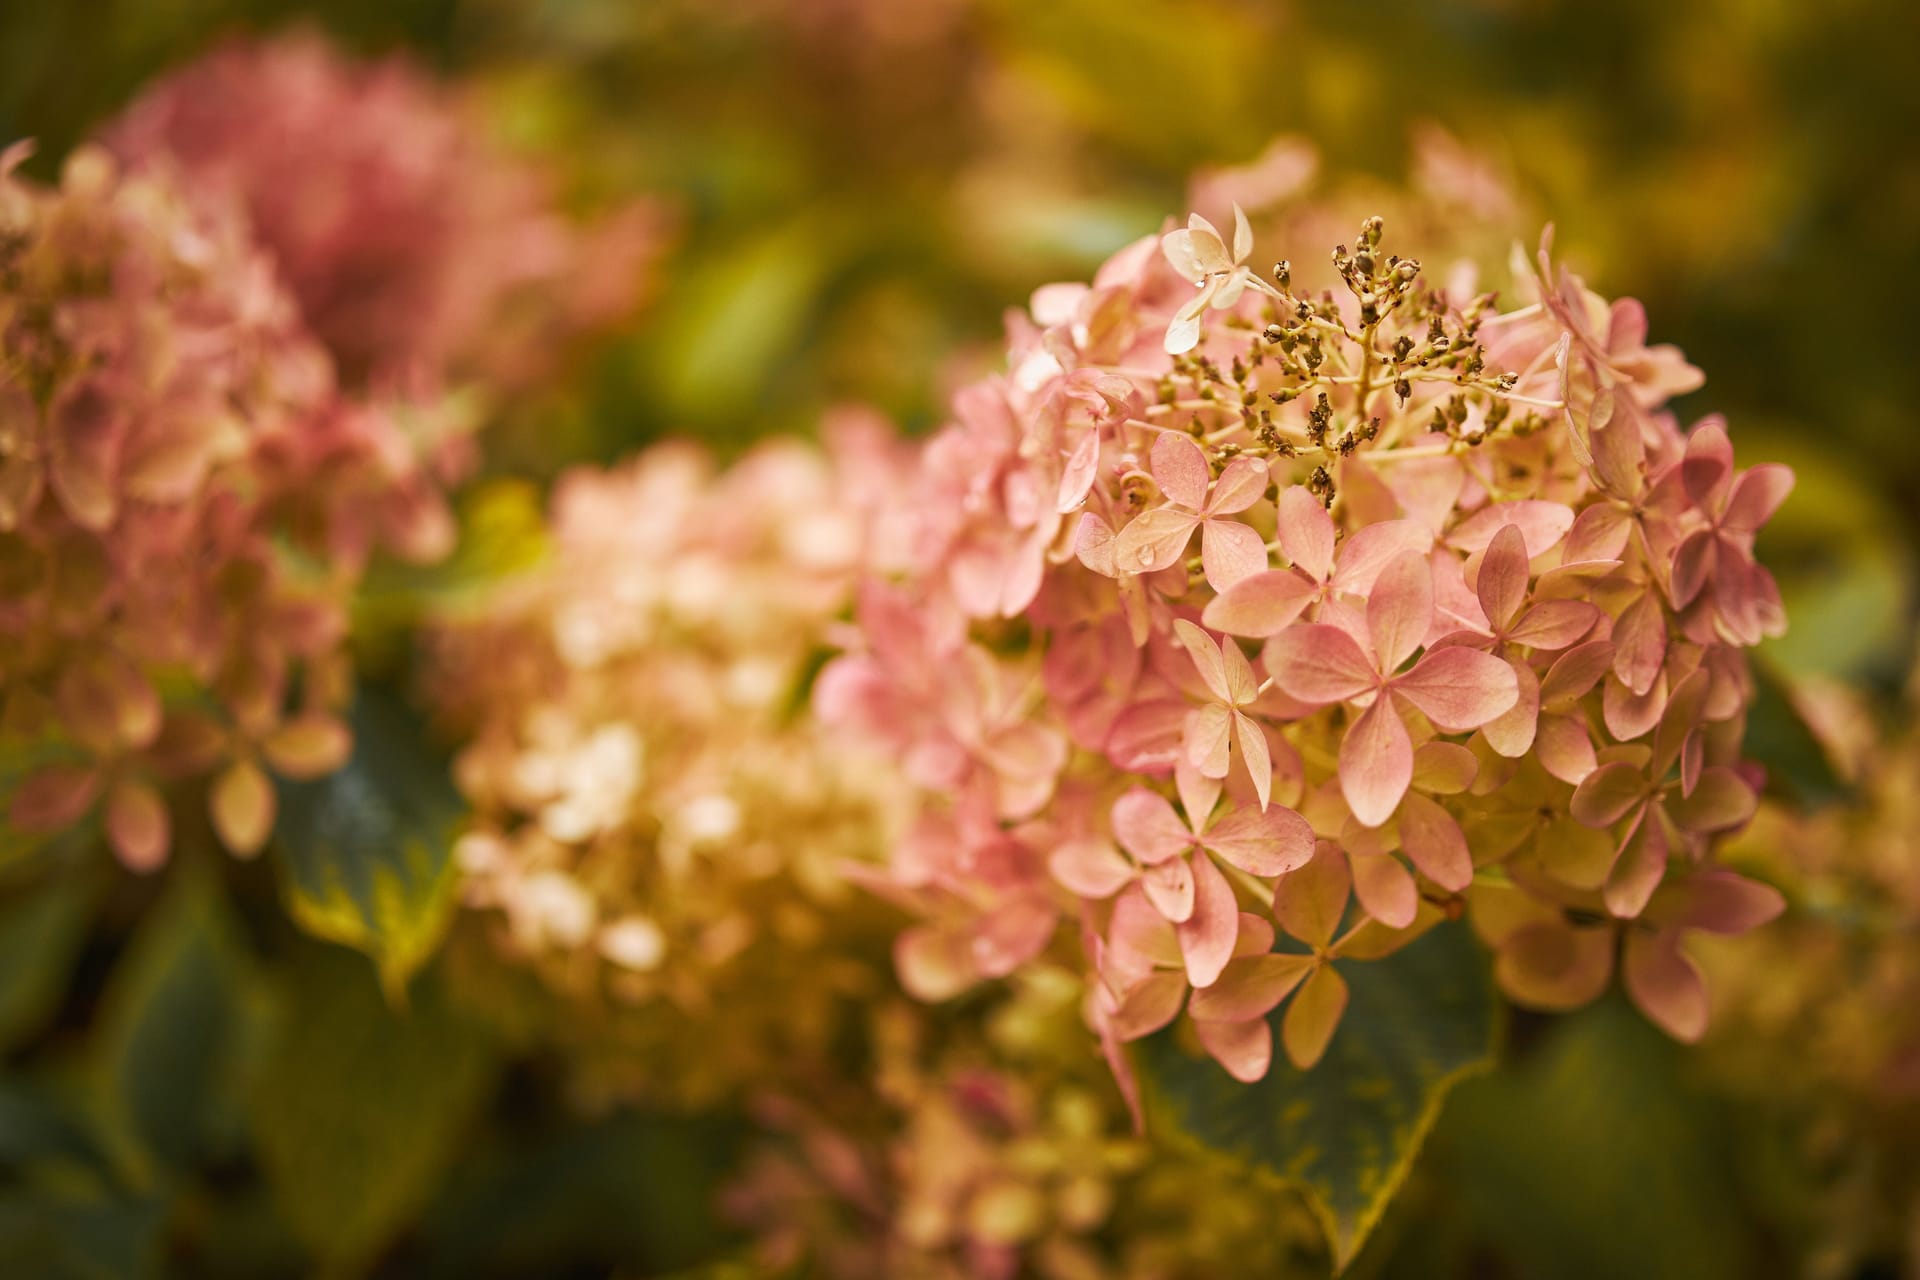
(1253, 753)
(1708, 463)
(53, 797)
(1619, 454)
(1502, 585)
(1511, 733)
(1318, 664)
(1207, 936)
(1460, 689)
(1626, 327)
(1149, 737)
(933, 964)
(1150, 1006)
(1693, 565)
(1306, 533)
(1642, 865)
(1599, 533)
(1256, 935)
(1207, 735)
(1756, 496)
(1230, 552)
(1260, 604)
(1139, 939)
(1147, 827)
(1169, 887)
(1385, 889)
(1093, 544)
(1555, 624)
(1564, 748)
(1250, 987)
(1012, 934)
(1666, 985)
(1720, 802)
(1435, 842)
(1208, 659)
(1198, 794)
(1244, 1049)
(1313, 1017)
(1373, 548)
(1077, 477)
(1640, 643)
(1400, 609)
(1154, 540)
(88, 430)
(1263, 844)
(1575, 672)
(1608, 794)
(1242, 483)
(1628, 717)
(1180, 469)
(1090, 868)
(1684, 705)
(1719, 901)
(1541, 524)
(138, 825)
(1376, 762)
(1310, 901)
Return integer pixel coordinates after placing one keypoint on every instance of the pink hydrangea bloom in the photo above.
(1460, 583)
(163, 414)
(418, 250)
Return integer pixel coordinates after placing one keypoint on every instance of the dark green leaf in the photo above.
(42, 927)
(367, 851)
(172, 1027)
(67, 1237)
(635, 1191)
(1779, 737)
(1345, 1132)
(358, 1106)
(1590, 1159)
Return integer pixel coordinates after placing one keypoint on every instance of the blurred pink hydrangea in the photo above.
(419, 251)
(996, 1150)
(1242, 611)
(659, 832)
(176, 541)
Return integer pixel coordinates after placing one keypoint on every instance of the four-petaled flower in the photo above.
(1156, 539)
(1198, 253)
(1458, 689)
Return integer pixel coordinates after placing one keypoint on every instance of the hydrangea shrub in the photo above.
(1251, 631)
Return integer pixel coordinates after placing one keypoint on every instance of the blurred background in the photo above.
(860, 188)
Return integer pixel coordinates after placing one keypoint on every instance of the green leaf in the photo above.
(1592, 1159)
(357, 1108)
(1347, 1131)
(173, 1026)
(367, 851)
(1779, 737)
(69, 1237)
(638, 1189)
(42, 928)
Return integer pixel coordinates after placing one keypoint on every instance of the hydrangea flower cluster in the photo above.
(418, 250)
(997, 1151)
(1252, 629)
(658, 830)
(164, 615)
